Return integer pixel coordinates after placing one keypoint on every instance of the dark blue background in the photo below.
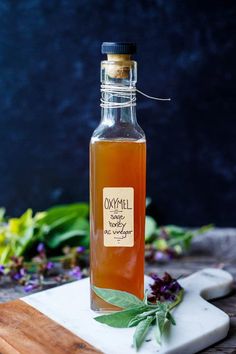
(49, 101)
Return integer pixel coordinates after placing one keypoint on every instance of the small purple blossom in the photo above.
(2, 270)
(161, 257)
(164, 288)
(76, 273)
(17, 270)
(45, 267)
(174, 286)
(30, 287)
(19, 274)
(80, 249)
(171, 253)
(41, 247)
(153, 255)
(50, 265)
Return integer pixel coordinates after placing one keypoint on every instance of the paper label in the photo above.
(118, 216)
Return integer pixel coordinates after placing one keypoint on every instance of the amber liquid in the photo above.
(117, 163)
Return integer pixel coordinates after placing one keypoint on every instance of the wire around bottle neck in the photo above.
(119, 96)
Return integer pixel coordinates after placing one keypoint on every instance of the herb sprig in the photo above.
(59, 226)
(166, 242)
(142, 314)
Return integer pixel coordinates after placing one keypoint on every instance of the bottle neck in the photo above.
(118, 96)
(113, 114)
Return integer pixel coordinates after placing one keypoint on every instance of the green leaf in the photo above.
(140, 314)
(60, 221)
(185, 240)
(174, 230)
(118, 298)
(52, 215)
(140, 317)
(160, 321)
(141, 331)
(134, 321)
(58, 238)
(150, 227)
(78, 228)
(183, 237)
(2, 213)
(170, 318)
(64, 225)
(161, 244)
(18, 226)
(5, 254)
(119, 319)
(148, 201)
(203, 229)
(22, 230)
(145, 299)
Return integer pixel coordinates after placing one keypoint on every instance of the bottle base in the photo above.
(98, 307)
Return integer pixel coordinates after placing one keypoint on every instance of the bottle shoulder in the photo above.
(116, 131)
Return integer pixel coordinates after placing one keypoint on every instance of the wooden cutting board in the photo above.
(59, 320)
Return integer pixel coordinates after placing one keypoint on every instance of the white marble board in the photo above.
(199, 323)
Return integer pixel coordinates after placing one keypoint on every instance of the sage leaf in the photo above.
(145, 299)
(141, 331)
(170, 318)
(118, 298)
(138, 313)
(160, 324)
(119, 319)
(134, 321)
(161, 315)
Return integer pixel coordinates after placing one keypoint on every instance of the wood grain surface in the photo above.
(25, 330)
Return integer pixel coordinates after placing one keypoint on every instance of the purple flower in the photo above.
(167, 279)
(164, 288)
(155, 277)
(76, 273)
(174, 286)
(41, 247)
(2, 269)
(161, 257)
(30, 287)
(50, 265)
(80, 249)
(18, 274)
(171, 253)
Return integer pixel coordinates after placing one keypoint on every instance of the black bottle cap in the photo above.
(118, 48)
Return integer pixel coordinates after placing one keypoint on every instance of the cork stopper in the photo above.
(118, 66)
(118, 57)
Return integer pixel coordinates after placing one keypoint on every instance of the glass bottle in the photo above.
(117, 181)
